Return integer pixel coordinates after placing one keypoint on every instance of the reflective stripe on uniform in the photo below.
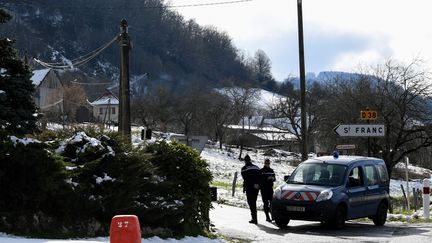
(250, 168)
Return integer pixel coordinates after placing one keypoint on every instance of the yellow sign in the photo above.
(368, 115)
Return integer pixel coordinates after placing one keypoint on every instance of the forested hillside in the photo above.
(166, 47)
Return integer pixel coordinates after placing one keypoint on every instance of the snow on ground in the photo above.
(224, 163)
(4, 238)
(413, 168)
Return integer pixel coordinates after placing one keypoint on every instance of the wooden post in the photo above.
(124, 111)
(304, 145)
(406, 200)
(234, 183)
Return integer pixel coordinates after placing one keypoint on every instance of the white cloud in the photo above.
(396, 28)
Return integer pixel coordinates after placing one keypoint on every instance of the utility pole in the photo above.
(124, 107)
(302, 81)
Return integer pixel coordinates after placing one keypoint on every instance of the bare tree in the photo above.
(188, 105)
(403, 100)
(287, 110)
(242, 99)
(261, 69)
(154, 109)
(74, 98)
(400, 95)
(219, 113)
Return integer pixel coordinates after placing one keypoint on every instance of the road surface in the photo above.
(232, 223)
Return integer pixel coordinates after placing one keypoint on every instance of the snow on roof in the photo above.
(3, 72)
(255, 128)
(39, 75)
(106, 99)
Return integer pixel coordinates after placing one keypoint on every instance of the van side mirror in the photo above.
(286, 177)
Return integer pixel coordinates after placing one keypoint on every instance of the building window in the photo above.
(100, 111)
(113, 110)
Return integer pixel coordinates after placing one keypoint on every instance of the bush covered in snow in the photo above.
(187, 180)
(74, 186)
(32, 185)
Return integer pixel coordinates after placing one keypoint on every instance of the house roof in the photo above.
(39, 75)
(107, 98)
(271, 136)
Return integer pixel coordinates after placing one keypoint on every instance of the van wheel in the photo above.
(282, 223)
(338, 221)
(381, 216)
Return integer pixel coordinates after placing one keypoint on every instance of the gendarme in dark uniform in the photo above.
(266, 186)
(251, 179)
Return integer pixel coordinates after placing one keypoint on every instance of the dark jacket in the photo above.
(251, 175)
(266, 183)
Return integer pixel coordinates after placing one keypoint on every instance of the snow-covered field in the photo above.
(224, 164)
(14, 239)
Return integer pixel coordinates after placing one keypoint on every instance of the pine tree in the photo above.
(16, 90)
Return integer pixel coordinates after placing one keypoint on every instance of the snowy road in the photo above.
(232, 222)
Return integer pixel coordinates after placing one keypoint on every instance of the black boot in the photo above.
(268, 219)
(254, 219)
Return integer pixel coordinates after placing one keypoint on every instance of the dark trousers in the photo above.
(252, 195)
(267, 196)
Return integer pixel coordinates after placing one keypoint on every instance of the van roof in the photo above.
(343, 159)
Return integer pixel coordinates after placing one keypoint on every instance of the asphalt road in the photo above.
(232, 223)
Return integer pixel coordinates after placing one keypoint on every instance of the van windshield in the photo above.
(321, 174)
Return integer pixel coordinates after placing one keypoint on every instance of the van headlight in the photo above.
(324, 195)
(277, 193)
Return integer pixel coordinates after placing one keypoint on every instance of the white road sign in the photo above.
(196, 142)
(360, 130)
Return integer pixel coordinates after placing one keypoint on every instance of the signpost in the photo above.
(360, 130)
(196, 142)
(368, 115)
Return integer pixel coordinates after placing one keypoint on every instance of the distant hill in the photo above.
(168, 49)
(324, 77)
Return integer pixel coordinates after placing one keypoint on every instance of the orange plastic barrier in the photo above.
(125, 229)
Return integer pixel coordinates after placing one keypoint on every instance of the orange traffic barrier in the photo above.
(125, 229)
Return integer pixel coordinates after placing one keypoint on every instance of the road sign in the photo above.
(345, 146)
(368, 115)
(360, 130)
(196, 142)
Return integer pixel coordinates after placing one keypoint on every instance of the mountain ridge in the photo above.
(165, 46)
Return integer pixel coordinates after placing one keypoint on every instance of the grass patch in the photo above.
(398, 205)
(225, 185)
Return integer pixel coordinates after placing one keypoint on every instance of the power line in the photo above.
(79, 61)
(151, 7)
(52, 104)
(207, 4)
(91, 83)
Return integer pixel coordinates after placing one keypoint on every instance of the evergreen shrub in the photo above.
(74, 186)
(187, 179)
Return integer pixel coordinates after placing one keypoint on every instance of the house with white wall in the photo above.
(106, 108)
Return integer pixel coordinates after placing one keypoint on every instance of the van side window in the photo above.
(355, 177)
(382, 171)
(371, 175)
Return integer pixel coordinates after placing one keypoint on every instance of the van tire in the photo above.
(282, 223)
(381, 215)
(338, 221)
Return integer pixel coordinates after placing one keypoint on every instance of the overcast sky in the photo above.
(340, 35)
